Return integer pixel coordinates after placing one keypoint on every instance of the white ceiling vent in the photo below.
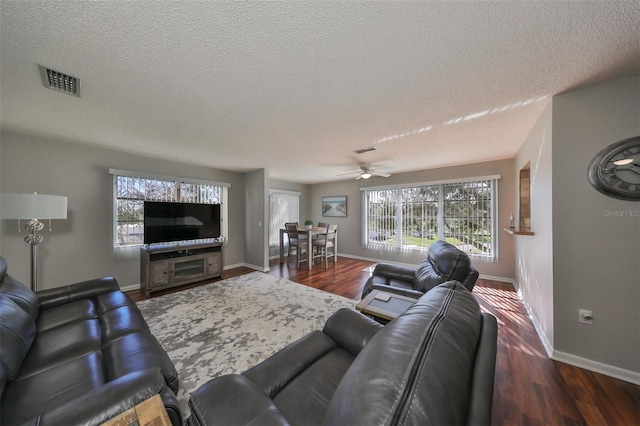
(367, 149)
(59, 81)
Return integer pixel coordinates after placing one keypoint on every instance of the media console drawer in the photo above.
(165, 266)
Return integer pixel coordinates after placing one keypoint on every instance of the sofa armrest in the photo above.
(233, 400)
(351, 330)
(275, 372)
(395, 272)
(82, 290)
(483, 373)
(113, 398)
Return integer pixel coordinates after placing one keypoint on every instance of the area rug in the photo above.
(231, 325)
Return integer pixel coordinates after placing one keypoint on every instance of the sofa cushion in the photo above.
(134, 352)
(122, 321)
(452, 263)
(427, 277)
(17, 332)
(63, 315)
(21, 295)
(428, 382)
(44, 391)
(61, 345)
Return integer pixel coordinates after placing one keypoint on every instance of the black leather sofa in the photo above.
(444, 262)
(79, 354)
(433, 365)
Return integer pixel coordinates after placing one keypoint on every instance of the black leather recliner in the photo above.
(444, 262)
(78, 354)
(433, 365)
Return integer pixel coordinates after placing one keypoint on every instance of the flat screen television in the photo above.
(166, 222)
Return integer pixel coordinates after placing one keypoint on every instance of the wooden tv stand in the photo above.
(163, 266)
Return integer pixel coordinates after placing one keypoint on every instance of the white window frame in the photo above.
(390, 234)
(174, 196)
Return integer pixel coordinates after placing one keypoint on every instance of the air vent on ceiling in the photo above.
(363, 150)
(59, 81)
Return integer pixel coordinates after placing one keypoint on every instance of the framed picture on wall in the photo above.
(334, 206)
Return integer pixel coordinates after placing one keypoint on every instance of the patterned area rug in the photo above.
(231, 325)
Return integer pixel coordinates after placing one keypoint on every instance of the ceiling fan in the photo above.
(366, 171)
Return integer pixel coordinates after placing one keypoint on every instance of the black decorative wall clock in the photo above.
(615, 171)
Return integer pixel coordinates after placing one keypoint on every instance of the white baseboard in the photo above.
(246, 265)
(131, 287)
(500, 279)
(237, 265)
(256, 267)
(548, 347)
(587, 364)
(598, 367)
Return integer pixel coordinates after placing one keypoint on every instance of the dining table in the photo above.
(310, 233)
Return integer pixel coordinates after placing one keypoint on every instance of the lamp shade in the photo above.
(33, 206)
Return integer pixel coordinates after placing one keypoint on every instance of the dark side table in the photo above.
(383, 307)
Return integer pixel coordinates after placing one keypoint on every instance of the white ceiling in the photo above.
(296, 86)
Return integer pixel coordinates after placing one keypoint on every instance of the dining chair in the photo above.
(326, 246)
(297, 242)
(320, 237)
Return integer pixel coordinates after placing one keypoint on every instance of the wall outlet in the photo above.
(585, 316)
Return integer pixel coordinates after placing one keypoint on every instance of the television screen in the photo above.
(169, 222)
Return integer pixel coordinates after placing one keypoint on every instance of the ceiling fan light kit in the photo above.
(366, 172)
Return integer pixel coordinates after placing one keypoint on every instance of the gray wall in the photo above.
(80, 247)
(81, 173)
(534, 254)
(349, 227)
(596, 252)
(256, 220)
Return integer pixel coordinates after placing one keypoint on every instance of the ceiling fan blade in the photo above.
(358, 177)
(380, 174)
(350, 173)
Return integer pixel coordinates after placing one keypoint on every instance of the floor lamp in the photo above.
(33, 207)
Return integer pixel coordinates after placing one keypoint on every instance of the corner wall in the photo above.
(534, 254)
(596, 239)
(81, 247)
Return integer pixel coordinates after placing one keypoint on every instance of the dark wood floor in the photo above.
(530, 389)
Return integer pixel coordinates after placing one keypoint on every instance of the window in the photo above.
(284, 206)
(131, 190)
(414, 216)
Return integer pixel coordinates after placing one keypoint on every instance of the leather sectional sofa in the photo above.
(79, 354)
(444, 262)
(433, 365)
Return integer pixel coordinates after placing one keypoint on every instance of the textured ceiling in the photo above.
(295, 87)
